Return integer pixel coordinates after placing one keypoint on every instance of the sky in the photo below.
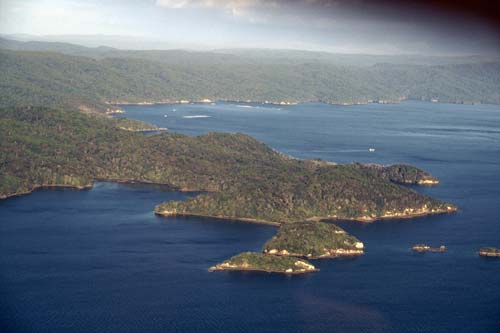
(446, 27)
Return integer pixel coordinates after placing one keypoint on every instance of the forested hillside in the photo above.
(245, 178)
(107, 75)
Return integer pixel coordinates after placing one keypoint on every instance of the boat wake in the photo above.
(197, 116)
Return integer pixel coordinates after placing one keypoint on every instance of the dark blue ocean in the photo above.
(100, 260)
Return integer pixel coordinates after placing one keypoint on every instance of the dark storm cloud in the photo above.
(486, 10)
(406, 26)
(442, 26)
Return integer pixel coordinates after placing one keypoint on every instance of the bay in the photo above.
(100, 260)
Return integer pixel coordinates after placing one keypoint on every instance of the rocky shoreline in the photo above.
(329, 254)
(159, 129)
(489, 252)
(410, 213)
(276, 103)
(221, 267)
(91, 184)
(293, 244)
(261, 262)
(217, 217)
(426, 248)
(41, 187)
(365, 219)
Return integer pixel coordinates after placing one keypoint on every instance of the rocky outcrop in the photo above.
(489, 252)
(427, 248)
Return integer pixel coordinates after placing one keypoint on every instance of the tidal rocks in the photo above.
(427, 248)
(259, 262)
(489, 252)
(313, 240)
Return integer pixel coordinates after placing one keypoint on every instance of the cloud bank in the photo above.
(354, 26)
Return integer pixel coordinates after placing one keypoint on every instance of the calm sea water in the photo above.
(99, 260)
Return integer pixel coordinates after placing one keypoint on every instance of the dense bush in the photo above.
(244, 178)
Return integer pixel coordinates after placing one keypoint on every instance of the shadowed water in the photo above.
(99, 260)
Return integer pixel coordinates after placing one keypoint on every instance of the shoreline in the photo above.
(332, 256)
(234, 269)
(145, 182)
(91, 184)
(285, 103)
(313, 219)
(451, 209)
(363, 219)
(222, 218)
(46, 186)
(145, 130)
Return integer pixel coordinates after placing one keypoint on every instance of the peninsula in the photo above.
(402, 174)
(242, 179)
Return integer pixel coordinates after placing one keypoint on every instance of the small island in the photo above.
(282, 253)
(259, 262)
(427, 248)
(313, 240)
(489, 252)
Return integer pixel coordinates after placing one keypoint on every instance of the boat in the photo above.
(371, 150)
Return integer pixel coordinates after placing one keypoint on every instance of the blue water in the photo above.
(99, 260)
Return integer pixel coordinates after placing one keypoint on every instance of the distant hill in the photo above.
(275, 56)
(51, 74)
(66, 48)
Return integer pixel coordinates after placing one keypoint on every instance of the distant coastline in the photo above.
(289, 103)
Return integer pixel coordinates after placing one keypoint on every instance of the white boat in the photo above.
(371, 150)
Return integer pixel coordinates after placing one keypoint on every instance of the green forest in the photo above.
(241, 177)
(56, 74)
